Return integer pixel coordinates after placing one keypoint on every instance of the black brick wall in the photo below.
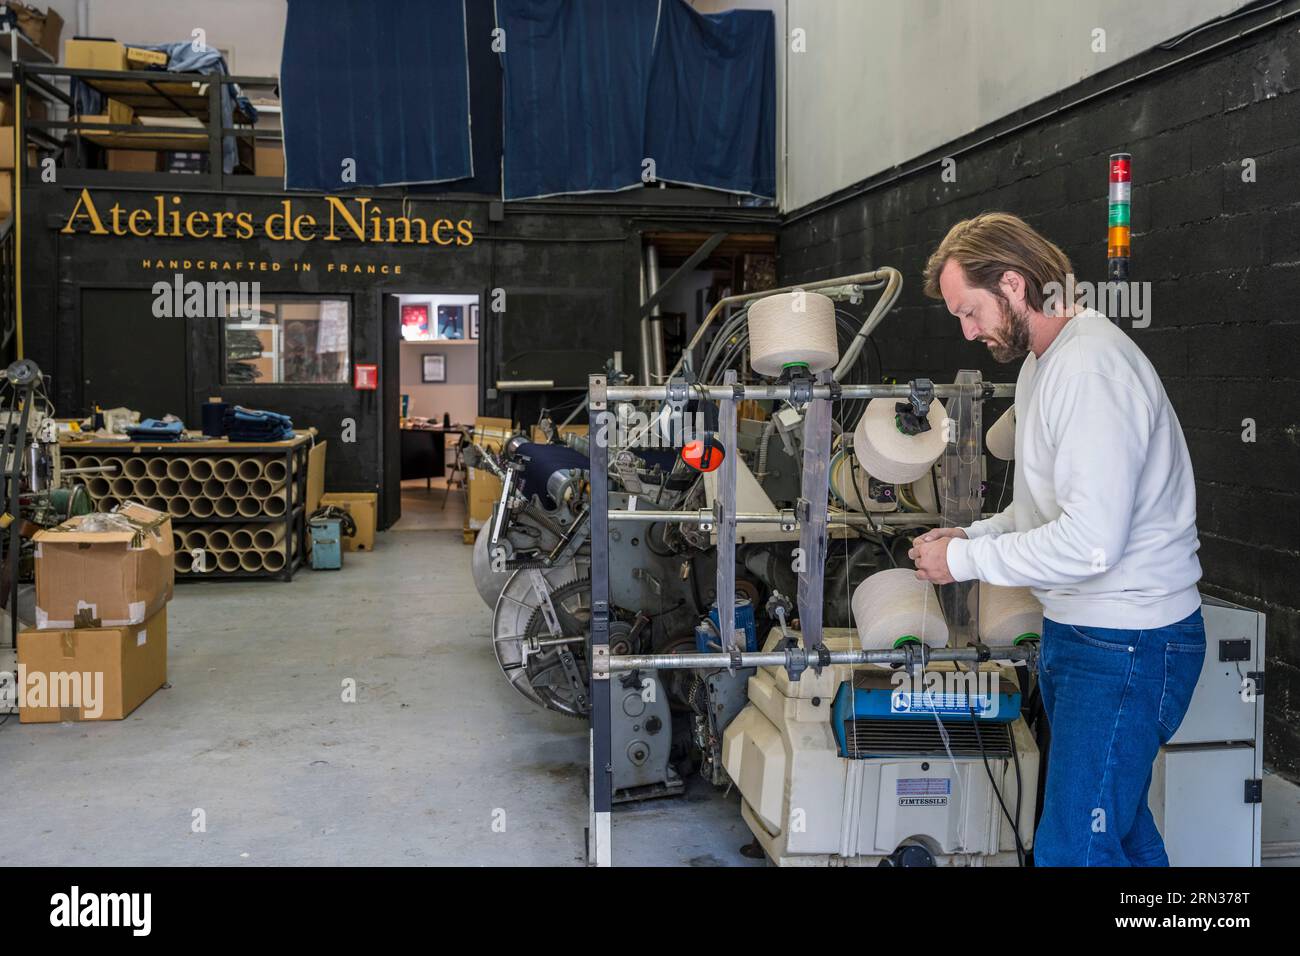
(1223, 257)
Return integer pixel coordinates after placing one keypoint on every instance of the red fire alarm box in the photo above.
(365, 377)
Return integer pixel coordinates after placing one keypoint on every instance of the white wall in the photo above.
(885, 81)
(252, 30)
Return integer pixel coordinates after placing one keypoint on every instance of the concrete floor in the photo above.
(253, 732)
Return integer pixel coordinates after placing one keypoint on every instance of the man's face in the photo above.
(984, 316)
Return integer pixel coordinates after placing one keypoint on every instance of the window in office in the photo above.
(289, 341)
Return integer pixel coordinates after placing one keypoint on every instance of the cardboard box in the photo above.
(109, 578)
(315, 476)
(84, 54)
(6, 195)
(482, 487)
(363, 506)
(134, 160)
(7, 134)
(140, 59)
(270, 161)
(43, 29)
(93, 673)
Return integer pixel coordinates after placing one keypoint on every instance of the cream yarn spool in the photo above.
(1008, 614)
(889, 455)
(891, 606)
(792, 328)
(1001, 439)
(844, 471)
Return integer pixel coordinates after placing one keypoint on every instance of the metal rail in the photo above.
(803, 657)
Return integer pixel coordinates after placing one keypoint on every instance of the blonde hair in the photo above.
(993, 243)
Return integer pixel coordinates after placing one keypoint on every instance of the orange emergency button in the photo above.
(704, 454)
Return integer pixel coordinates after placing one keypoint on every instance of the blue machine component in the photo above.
(326, 543)
(704, 636)
(887, 702)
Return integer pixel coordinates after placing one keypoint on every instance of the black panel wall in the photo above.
(1223, 258)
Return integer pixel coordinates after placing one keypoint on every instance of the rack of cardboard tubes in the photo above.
(960, 485)
(238, 509)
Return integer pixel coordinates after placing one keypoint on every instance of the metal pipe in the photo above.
(655, 325)
(876, 276)
(706, 516)
(761, 393)
(629, 662)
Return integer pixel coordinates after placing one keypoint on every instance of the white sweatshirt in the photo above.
(1102, 525)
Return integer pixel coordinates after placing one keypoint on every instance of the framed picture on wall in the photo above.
(433, 368)
(451, 321)
(415, 322)
(473, 321)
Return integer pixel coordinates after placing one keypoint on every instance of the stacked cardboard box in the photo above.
(99, 648)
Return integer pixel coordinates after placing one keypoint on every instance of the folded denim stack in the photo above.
(154, 429)
(251, 424)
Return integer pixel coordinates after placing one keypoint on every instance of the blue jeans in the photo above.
(1112, 698)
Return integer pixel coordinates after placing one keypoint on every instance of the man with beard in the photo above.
(1102, 529)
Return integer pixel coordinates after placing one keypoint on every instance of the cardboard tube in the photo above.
(146, 487)
(168, 488)
(251, 561)
(202, 507)
(249, 507)
(236, 487)
(196, 538)
(242, 537)
(67, 461)
(178, 540)
(115, 464)
(108, 503)
(219, 539)
(214, 488)
(250, 469)
(274, 505)
(157, 468)
(201, 468)
(191, 488)
(260, 488)
(157, 504)
(225, 468)
(99, 487)
(272, 560)
(274, 472)
(182, 560)
(90, 461)
(228, 560)
(123, 487)
(178, 506)
(269, 537)
(133, 468)
(226, 507)
(178, 469)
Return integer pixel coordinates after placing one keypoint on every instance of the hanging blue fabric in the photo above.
(383, 83)
(711, 112)
(575, 83)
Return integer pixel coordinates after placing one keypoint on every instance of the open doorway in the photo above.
(439, 400)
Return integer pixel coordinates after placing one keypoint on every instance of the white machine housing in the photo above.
(809, 806)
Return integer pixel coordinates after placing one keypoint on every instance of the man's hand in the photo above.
(929, 553)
